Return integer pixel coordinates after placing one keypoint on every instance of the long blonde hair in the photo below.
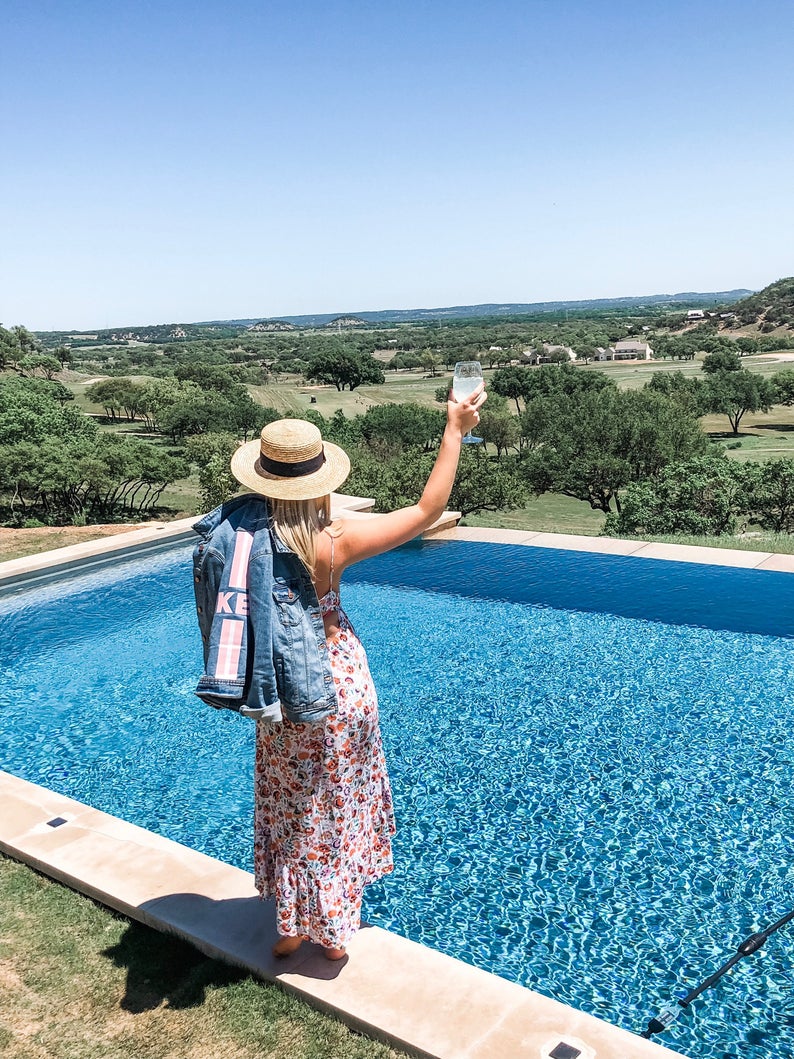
(297, 523)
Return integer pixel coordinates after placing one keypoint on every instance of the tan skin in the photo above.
(357, 539)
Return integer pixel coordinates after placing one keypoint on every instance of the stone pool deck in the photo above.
(429, 1004)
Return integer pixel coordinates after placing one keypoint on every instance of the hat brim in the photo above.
(246, 469)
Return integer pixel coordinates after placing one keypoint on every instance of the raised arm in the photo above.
(363, 538)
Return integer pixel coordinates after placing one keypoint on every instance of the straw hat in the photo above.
(290, 461)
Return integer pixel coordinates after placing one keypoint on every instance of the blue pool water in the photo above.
(591, 759)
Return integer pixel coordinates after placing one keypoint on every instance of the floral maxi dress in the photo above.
(323, 816)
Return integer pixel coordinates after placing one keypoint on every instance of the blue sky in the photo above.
(180, 161)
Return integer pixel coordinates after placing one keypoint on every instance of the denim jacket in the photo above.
(265, 651)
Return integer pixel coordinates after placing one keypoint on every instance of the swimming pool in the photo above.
(591, 758)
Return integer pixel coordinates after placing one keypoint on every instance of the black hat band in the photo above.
(290, 470)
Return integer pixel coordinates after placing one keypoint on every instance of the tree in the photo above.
(430, 362)
(594, 444)
(783, 382)
(746, 345)
(734, 393)
(530, 383)
(702, 497)
(404, 360)
(116, 395)
(513, 383)
(345, 368)
(770, 500)
(217, 377)
(59, 392)
(26, 341)
(33, 362)
(677, 386)
(498, 426)
(9, 348)
(31, 410)
(211, 455)
(123, 476)
(198, 412)
(722, 360)
(397, 427)
(479, 485)
(157, 397)
(536, 422)
(558, 356)
(55, 462)
(63, 354)
(585, 351)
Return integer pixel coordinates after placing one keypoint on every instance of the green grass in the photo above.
(80, 982)
(762, 435)
(291, 395)
(762, 542)
(549, 513)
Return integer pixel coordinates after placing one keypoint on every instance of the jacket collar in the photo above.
(259, 514)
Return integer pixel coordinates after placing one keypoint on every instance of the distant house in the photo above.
(544, 355)
(695, 314)
(630, 350)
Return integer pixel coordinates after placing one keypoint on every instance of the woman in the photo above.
(323, 810)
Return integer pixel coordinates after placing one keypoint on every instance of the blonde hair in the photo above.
(297, 523)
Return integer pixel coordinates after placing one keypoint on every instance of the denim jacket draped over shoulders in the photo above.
(265, 651)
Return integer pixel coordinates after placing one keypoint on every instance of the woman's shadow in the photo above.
(164, 968)
(195, 943)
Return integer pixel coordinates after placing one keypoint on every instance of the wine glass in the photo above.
(467, 377)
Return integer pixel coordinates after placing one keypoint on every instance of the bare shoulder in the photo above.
(369, 534)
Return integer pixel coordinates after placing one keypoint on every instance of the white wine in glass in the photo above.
(467, 377)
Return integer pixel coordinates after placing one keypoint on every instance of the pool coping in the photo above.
(43, 566)
(427, 1003)
(636, 549)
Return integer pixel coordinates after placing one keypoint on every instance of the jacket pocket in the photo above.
(287, 598)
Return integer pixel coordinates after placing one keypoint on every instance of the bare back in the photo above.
(327, 571)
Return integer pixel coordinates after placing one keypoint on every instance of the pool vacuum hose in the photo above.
(670, 1012)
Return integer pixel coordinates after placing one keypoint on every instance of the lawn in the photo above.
(290, 396)
(549, 513)
(78, 981)
(14, 543)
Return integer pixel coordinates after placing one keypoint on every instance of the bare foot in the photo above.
(286, 946)
(334, 954)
